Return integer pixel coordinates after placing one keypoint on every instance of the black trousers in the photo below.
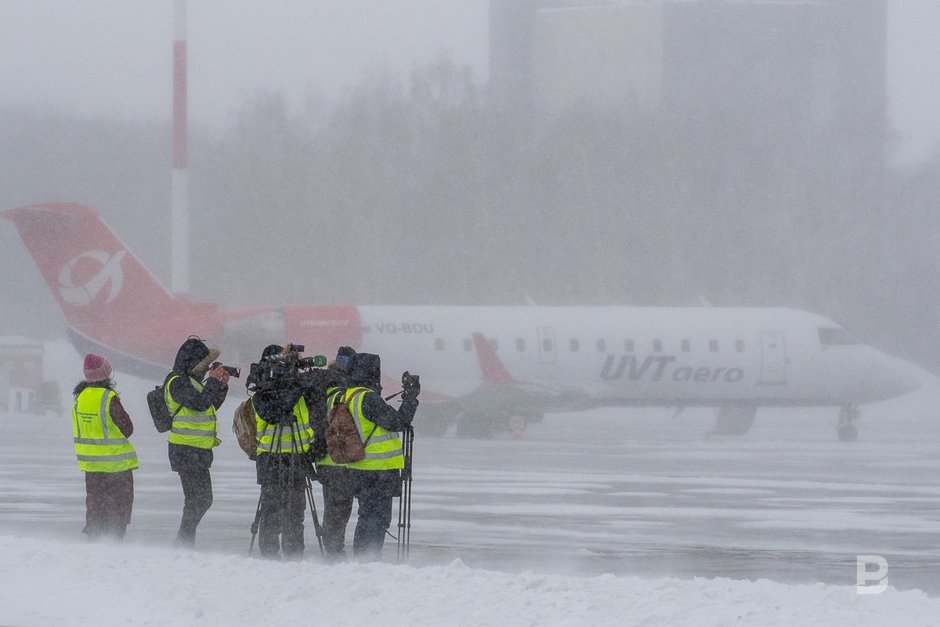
(375, 491)
(281, 527)
(338, 496)
(109, 499)
(197, 499)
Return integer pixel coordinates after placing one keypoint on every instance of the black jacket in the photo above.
(277, 407)
(365, 371)
(376, 409)
(184, 457)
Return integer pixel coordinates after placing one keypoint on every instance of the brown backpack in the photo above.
(246, 429)
(342, 437)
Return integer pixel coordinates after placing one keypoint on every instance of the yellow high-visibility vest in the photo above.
(294, 438)
(99, 444)
(383, 447)
(191, 427)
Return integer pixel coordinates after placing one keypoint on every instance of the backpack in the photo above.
(246, 429)
(342, 437)
(156, 402)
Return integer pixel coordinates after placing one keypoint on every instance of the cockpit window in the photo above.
(833, 336)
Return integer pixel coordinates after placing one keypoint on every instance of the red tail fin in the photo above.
(492, 368)
(105, 293)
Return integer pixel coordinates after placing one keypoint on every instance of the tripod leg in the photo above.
(404, 501)
(407, 530)
(308, 486)
(254, 524)
(316, 519)
(411, 443)
(401, 519)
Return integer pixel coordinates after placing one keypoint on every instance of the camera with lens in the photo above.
(410, 383)
(284, 369)
(232, 371)
(281, 377)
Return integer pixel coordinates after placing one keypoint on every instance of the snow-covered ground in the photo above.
(607, 517)
(58, 582)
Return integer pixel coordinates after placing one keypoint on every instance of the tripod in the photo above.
(404, 501)
(297, 463)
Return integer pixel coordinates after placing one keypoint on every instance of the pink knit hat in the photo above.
(96, 368)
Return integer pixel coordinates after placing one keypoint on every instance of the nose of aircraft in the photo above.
(892, 379)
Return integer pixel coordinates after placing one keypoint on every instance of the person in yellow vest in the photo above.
(101, 428)
(284, 436)
(376, 479)
(338, 489)
(193, 404)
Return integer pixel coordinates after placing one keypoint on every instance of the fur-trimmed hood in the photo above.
(193, 357)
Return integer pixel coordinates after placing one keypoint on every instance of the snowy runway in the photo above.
(797, 509)
(635, 493)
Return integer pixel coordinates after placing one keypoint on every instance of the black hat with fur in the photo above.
(193, 357)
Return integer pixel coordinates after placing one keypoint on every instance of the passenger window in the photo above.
(439, 343)
(739, 346)
(520, 344)
(713, 346)
(628, 346)
(658, 345)
(686, 346)
(601, 346)
(467, 344)
(574, 345)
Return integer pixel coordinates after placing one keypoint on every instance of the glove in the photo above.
(219, 373)
(410, 384)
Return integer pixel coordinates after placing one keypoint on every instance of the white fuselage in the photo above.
(638, 355)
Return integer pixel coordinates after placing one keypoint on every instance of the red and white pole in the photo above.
(179, 212)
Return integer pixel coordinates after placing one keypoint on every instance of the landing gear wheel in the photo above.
(848, 433)
(433, 428)
(474, 427)
(846, 429)
(517, 425)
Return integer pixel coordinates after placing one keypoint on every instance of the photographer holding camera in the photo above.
(282, 402)
(376, 479)
(193, 404)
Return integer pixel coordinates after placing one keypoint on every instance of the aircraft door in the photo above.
(773, 358)
(546, 345)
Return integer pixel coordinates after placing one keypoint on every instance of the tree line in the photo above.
(418, 192)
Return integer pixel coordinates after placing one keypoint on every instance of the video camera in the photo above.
(232, 371)
(284, 369)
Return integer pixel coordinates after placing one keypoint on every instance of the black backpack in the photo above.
(156, 401)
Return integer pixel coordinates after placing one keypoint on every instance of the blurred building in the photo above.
(770, 115)
(759, 98)
(817, 60)
(811, 69)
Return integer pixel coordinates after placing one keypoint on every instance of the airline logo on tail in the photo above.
(79, 292)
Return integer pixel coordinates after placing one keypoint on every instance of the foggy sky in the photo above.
(113, 57)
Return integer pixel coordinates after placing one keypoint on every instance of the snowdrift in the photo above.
(54, 582)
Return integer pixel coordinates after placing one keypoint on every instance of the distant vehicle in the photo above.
(483, 368)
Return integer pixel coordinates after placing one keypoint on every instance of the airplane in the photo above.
(483, 368)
